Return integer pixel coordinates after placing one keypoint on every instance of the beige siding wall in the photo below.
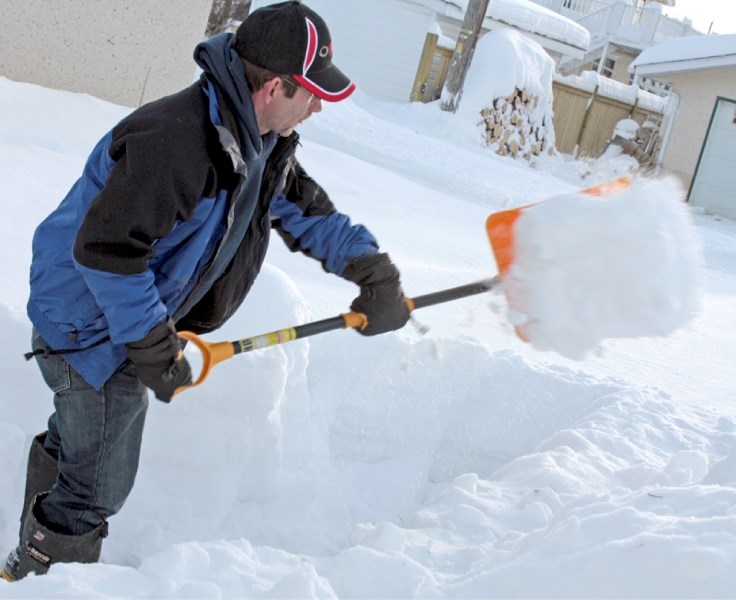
(698, 91)
(120, 51)
(621, 69)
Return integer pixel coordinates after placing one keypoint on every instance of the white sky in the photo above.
(702, 12)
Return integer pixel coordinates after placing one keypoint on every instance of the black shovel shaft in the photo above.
(463, 291)
(217, 352)
(322, 326)
(470, 289)
(355, 320)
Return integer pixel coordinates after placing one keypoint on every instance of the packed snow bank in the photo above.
(594, 510)
(621, 265)
(55, 128)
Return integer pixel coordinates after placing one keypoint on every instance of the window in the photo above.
(608, 65)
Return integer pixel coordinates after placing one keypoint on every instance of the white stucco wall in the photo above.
(123, 52)
(698, 91)
(377, 43)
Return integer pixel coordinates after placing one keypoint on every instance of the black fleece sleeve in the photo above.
(161, 170)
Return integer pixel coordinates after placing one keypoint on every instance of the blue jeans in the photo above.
(96, 438)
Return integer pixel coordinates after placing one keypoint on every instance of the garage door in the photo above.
(714, 184)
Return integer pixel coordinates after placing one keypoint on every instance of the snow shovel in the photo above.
(500, 225)
(620, 260)
(500, 230)
(214, 353)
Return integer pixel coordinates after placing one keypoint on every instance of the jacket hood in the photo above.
(222, 64)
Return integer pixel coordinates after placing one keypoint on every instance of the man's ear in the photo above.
(269, 89)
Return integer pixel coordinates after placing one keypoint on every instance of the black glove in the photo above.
(159, 361)
(381, 298)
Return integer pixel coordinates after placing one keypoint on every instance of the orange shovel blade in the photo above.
(500, 228)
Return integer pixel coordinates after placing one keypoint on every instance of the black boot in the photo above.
(40, 474)
(40, 547)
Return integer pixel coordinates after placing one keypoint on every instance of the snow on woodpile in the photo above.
(508, 93)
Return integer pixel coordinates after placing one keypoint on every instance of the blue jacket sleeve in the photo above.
(308, 222)
(330, 238)
(130, 303)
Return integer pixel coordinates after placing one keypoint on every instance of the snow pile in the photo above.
(510, 85)
(626, 128)
(588, 268)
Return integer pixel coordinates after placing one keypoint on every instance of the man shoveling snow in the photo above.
(617, 260)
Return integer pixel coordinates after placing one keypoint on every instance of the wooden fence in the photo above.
(432, 71)
(583, 121)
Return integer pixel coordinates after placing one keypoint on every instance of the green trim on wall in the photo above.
(705, 141)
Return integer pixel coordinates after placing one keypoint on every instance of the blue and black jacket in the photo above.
(158, 225)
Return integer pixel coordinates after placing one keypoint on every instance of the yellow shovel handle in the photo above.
(214, 353)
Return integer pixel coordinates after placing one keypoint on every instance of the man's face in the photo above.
(286, 113)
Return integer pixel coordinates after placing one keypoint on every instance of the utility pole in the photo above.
(464, 48)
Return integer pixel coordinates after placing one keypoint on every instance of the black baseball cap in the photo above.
(290, 39)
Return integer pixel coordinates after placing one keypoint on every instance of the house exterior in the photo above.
(392, 34)
(138, 52)
(700, 133)
(620, 30)
(561, 37)
(127, 53)
(376, 43)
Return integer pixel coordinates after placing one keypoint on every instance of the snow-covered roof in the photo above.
(529, 17)
(686, 54)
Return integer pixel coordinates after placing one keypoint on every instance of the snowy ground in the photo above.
(461, 463)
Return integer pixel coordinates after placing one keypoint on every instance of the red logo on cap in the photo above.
(311, 45)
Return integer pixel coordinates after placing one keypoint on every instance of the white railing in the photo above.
(639, 24)
(612, 20)
(596, 22)
(572, 8)
(669, 28)
(631, 15)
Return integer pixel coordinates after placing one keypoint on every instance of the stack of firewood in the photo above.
(518, 126)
